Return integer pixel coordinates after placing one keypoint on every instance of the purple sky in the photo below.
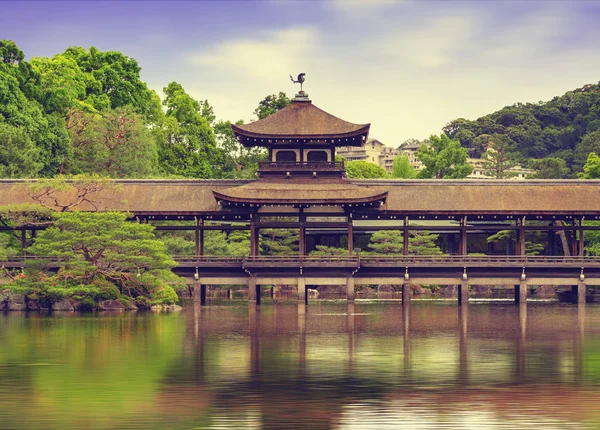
(408, 67)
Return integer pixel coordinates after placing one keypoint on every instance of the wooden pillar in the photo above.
(463, 237)
(405, 238)
(581, 247)
(521, 292)
(350, 236)
(581, 290)
(551, 236)
(574, 242)
(302, 293)
(350, 289)
(520, 236)
(201, 248)
(302, 233)
(463, 293)
(405, 294)
(24, 242)
(197, 237)
(254, 237)
(229, 293)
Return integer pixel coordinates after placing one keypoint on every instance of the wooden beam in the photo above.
(350, 235)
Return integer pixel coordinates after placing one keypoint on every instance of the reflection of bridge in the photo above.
(384, 355)
(351, 271)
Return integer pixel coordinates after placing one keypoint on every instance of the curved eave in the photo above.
(246, 134)
(222, 197)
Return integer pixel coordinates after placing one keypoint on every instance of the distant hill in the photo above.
(566, 127)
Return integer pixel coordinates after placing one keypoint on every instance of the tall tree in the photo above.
(187, 143)
(271, 104)
(119, 78)
(116, 143)
(499, 158)
(443, 159)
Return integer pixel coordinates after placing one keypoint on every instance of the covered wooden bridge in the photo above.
(302, 187)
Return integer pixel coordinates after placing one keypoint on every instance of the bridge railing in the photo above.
(362, 260)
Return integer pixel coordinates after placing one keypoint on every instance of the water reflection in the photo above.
(322, 365)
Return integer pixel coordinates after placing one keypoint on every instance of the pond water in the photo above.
(327, 365)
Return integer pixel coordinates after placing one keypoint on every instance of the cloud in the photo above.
(273, 53)
(362, 8)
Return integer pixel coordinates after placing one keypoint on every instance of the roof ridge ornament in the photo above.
(301, 96)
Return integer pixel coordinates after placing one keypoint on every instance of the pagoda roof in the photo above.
(300, 192)
(301, 120)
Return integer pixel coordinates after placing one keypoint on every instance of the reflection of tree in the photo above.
(86, 371)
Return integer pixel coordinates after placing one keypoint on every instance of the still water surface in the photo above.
(323, 366)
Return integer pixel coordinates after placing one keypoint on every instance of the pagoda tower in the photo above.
(302, 178)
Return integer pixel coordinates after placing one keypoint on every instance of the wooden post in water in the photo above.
(581, 290)
(253, 297)
(350, 289)
(463, 293)
(302, 293)
(521, 292)
(405, 294)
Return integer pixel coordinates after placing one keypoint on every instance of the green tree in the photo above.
(279, 241)
(443, 159)
(271, 104)
(18, 154)
(589, 143)
(187, 143)
(401, 168)
(591, 170)
(548, 168)
(364, 170)
(391, 242)
(499, 158)
(47, 132)
(117, 144)
(103, 248)
(119, 78)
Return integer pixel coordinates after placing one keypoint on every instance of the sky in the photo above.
(408, 67)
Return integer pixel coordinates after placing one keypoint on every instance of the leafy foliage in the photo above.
(364, 170)
(103, 255)
(565, 127)
(391, 242)
(271, 104)
(443, 158)
(401, 168)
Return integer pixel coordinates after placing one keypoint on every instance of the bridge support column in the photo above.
(253, 291)
(350, 289)
(202, 294)
(581, 290)
(405, 294)
(302, 293)
(463, 293)
(521, 292)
